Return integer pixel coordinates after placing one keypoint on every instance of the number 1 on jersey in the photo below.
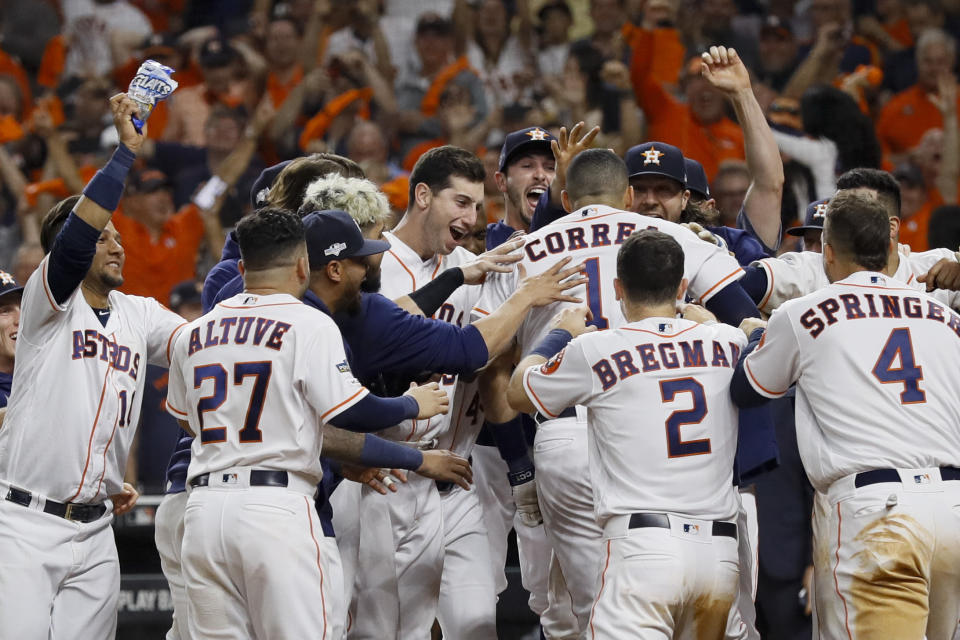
(909, 373)
(594, 298)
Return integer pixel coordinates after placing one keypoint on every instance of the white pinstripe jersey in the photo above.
(593, 235)
(256, 378)
(403, 271)
(77, 390)
(792, 275)
(661, 425)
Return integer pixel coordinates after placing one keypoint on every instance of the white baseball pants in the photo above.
(58, 578)
(168, 535)
(664, 584)
(257, 565)
(887, 558)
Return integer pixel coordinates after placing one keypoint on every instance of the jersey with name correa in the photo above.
(662, 426)
(875, 367)
(77, 390)
(256, 378)
(593, 235)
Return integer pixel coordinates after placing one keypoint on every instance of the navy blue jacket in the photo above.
(5, 381)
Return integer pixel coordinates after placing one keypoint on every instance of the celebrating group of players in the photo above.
(644, 411)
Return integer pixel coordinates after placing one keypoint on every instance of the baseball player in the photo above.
(255, 380)
(82, 349)
(665, 504)
(886, 468)
(10, 294)
(809, 232)
(773, 281)
(598, 195)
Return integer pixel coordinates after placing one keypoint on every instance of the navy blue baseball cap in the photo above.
(529, 139)
(656, 158)
(697, 178)
(813, 220)
(261, 186)
(8, 286)
(334, 235)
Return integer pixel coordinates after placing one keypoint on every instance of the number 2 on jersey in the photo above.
(677, 447)
(909, 373)
(594, 298)
(260, 371)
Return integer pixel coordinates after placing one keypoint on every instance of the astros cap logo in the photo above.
(6, 278)
(537, 134)
(821, 210)
(652, 156)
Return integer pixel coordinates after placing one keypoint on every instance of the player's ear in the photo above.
(894, 230)
(685, 198)
(629, 197)
(422, 195)
(501, 179)
(617, 289)
(565, 201)
(241, 267)
(334, 271)
(303, 269)
(682, 290)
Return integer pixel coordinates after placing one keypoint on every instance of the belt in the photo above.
(73, 511)
(569, 412)
(660, 520)
(877, 476)
(258, 478)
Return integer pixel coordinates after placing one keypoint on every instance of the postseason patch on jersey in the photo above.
(343, 367)
(552, 364)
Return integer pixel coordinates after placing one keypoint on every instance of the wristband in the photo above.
(378, 452)
(106, 187)
(521, 471)
(433, 294)
(551, 345)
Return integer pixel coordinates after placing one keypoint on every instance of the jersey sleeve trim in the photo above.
(533, 394)
(172, 336)
(766, 297)
(343, 406)
(715, 287)
(176, 412)
(481, 311)
(46, 289)
(759, 388)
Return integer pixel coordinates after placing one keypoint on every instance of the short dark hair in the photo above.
(291, 184)
(650, 267)
(857, 227)
(269, 237)
(596, 172)
(883, 182)
(53, 221)
(435, 168)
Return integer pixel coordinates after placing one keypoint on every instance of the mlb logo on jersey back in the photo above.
(664, 327)
(877, 280)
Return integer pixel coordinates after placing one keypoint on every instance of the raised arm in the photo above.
(723, 68)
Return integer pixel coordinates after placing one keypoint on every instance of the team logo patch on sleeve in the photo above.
(552, 364)
(343, 367)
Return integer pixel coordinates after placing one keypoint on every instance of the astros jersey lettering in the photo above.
(792, 275)
(902, 360)
(230, 378)
(662, 427)
(89, 422)
(593, 235)
(403, 271)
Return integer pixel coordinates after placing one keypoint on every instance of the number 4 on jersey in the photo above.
(899, 349)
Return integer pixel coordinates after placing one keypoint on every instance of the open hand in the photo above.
(573, 320)
(551, 285)
(431, 399)
(500, 260)
(446, 466)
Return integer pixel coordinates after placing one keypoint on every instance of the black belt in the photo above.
(569, 412)
(258, 478)
(892, 475)
(641, 520)
(73, 511)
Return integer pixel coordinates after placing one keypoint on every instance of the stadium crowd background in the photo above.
(845, 83)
